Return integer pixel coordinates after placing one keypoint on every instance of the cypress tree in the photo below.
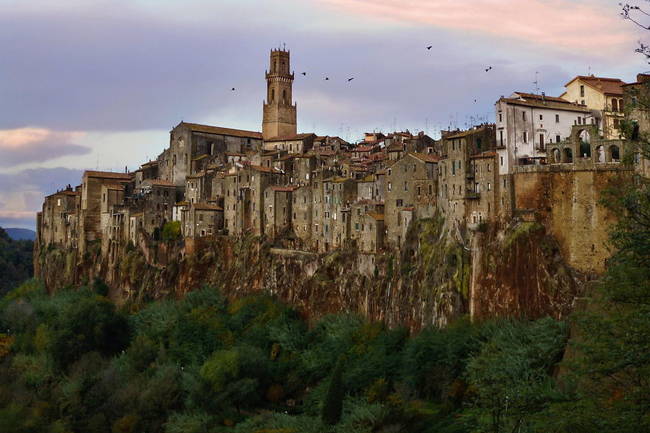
(333, 404)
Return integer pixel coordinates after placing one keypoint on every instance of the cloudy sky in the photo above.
(98, 84)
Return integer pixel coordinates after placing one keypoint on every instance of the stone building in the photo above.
(604, 97)
(367, 227)
(278, 209)
(483, 177)
(411, 181)
(91, 202)
(58, 220)
(279, 112)
(202, 219)
(303, 213)
(528, 123)
(189, 141)
(294, 144)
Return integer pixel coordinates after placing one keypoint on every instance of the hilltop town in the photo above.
(545, 159)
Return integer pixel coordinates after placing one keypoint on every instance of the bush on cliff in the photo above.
(171, 231)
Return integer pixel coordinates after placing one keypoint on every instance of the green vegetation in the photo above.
(72, 362)
(15, 261)
(171, 231)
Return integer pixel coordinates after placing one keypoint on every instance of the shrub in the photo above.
(171, 231)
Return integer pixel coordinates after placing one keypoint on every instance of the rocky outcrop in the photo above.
(434, 278)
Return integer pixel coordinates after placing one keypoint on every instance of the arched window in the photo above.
(568, 155)
(284, 96)
(272, 94)
(556, 156)
(615, 153)
(614, 104)
(600, 153)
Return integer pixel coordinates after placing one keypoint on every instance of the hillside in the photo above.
(16, 261)
(19, 234)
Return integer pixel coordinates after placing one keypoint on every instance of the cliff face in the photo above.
(517, 271)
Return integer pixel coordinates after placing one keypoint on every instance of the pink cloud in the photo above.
(562, 24)
(23, 145)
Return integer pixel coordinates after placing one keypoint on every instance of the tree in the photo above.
(333, 404)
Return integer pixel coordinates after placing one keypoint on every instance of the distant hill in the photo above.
(15, 261)
(21, 234)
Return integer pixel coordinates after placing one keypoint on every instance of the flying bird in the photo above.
(327, 78)
(489, 68)
(304, 73)
(429, 47)
(350, 79)
(233, 89)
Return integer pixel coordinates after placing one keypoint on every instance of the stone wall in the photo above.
(565, 198)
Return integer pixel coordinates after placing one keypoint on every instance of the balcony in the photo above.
(473, 196)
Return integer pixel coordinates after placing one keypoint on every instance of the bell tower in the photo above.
(279, 117)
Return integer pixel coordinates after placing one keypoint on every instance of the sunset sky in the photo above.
(90, 84)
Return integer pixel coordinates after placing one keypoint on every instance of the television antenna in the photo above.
(536, 83)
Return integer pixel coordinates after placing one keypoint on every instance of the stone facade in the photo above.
(320, 193)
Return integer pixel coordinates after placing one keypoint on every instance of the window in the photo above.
(419, 191)
(502, 161)
(399, 203)
(582, 91)
(489, 186)
(523, 115)
(501, 138)
(406, 186)
(614, 104)
(541, 117)
(525, 137)
(541, 141)
(390, 186)
(582, 102)
(500, 117)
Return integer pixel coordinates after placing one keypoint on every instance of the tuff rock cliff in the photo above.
(516, 270)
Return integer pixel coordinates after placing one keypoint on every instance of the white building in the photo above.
(526, 123)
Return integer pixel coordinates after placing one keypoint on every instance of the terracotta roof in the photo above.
(264, 169)
(461, 134)
(367, 148)
(291, 137)
(395, 147)
(146, 164)
(376, 216)
(541, 97)
(609, 86)
(205, 206)
(549, 104)
(425, 157)
(284, 188)
(221, 131)
(484, 155)
(107, 175)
